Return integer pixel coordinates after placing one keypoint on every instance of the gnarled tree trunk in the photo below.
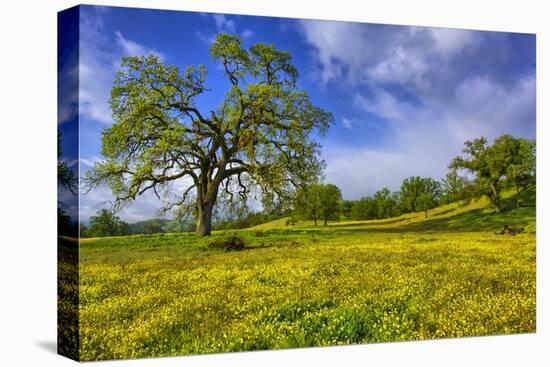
(207, 194)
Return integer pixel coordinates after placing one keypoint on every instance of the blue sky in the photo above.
(404, 98)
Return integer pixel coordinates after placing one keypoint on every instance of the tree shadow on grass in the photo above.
(477, 220)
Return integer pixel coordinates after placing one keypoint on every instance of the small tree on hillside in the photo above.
(152, 226)
(454, 187)
(395, 205)
(521, 174)
(430, 195)
(383, 201)
(411, 190)
(364, 209)
(319, 201)
(83, 230)
(347, 207)
(420, 194)
(308, 202)
(331, 202)
(123, 228)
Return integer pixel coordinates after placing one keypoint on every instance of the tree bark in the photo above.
(207, 194)
(205, 206)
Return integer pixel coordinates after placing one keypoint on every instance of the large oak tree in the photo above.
(260, 136)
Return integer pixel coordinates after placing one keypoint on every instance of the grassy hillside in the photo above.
(405, 278)
(477, 215)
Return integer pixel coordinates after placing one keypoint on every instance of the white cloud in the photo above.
(338, 47)
(402, 66)
(131, 48)
(206, 38)
(361, 172)
(347, 123)
(223, 24)
(96, 69)
(385, 105)
(247, 33)
(485, 107)
(366, 53)
(100, 55)
(89, 162)
(451, 41)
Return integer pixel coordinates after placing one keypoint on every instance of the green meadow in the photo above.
(350, 282)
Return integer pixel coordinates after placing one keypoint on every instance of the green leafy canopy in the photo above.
(261, 135)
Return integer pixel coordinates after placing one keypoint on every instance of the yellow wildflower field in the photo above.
(162, 295)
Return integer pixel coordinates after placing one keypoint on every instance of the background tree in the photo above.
(489, 163)
(419, 194)
(83, 230)
(454, 187)
(259, 136)
(521, 173)
(105, 223)
(383, 202)
(430, 195)
(364, 209)
(153, 226)
(123, 228)
(331, 202)
(395, 205)
(410, 192)
(308, 202)
(319, 202)
(347, 206)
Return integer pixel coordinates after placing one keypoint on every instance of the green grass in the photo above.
(405, 278)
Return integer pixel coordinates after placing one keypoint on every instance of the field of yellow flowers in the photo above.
(347, 283)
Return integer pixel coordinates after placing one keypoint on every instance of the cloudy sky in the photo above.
(404, 98)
